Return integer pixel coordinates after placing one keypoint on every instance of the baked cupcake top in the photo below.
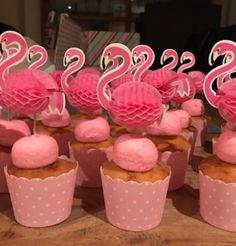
(169, 143)
(57, 168)
(158, 172)
(216, 168)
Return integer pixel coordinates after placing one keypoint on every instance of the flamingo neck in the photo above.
(186, 65)
(215, 73)
(14, 59)
(107, 77)
(143, 66)
(41, 61)
(173, 63)
(72, 68)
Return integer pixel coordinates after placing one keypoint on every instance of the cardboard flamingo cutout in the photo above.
(57, 99)
(143, 57)
(215, 192)
(132, 104)
(35, 50)
(169, 54)
(224, 99)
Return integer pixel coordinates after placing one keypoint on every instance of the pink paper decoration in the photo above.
(132, 104)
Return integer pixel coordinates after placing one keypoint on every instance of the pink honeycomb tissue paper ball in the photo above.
(135, 105)
(24, 93)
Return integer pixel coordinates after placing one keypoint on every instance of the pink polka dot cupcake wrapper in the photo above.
(89, 163)
(201, 126)
(218, 202)
(134, 206)
(5, 159)
(178, 162)
(191, 138)
(42, 202)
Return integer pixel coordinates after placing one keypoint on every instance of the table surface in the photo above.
(87, 225)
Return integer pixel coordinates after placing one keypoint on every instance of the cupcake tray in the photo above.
(181, 224)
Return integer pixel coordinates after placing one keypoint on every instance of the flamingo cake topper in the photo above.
(81, 92)
(35, 50)
(132, 104)
(169, 54)
(225, 98)
(24, 91)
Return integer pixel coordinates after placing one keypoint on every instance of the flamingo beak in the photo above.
(182, 59)
(163, 58)
(29, 57)
(1, 48)
(104, 62)
(66, 61)
(212, 57)
(134, 59)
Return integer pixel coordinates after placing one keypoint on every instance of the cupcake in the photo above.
(195, 108)
(91, 148)
(10, 132)
(173, 149)
(41, 184)
(218, 184)
(134, 184)
(188, 132)
(58, 127)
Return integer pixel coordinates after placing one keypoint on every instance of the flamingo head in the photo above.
(223, 47)
(187, 55)
(141, 51)
(111, 53)
(168, 53)
(10, 38)
(34, 50)
(71, 54)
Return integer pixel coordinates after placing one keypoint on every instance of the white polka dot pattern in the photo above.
(218, 203)
(178, 162)
(40, 203)
(133, 206)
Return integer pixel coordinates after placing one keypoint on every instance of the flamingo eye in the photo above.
(109, 53)
(4, 40)
(218, 49)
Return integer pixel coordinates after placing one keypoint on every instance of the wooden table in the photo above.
(87, 225)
